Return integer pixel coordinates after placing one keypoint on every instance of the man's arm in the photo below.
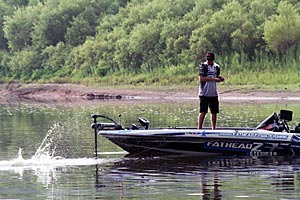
(205, 79)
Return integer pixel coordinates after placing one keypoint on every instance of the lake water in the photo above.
(47, 152)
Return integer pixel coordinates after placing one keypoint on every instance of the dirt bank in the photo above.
(80, 93)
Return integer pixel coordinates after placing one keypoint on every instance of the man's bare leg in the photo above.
(201, 118)
(213, 121)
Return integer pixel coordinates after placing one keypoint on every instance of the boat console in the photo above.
(278, 123)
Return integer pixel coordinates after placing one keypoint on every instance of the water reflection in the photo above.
(204, 177)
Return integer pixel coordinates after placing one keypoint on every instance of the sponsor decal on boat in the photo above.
(202, 133)
(254, 149)
(229, 145)
(255, 135)
(262, 153)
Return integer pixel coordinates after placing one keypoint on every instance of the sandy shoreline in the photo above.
(79, 93)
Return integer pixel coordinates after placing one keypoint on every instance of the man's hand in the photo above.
(221, 78)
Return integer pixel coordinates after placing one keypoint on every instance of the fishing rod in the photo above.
(229, 87)
(223, 80)
(227, 84)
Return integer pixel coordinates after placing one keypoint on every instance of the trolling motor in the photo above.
(113, 125)
(103, 126)
(277, 123)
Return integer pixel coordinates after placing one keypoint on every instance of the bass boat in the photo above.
(271, 137)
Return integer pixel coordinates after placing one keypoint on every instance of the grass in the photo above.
(260, 73)
(247, 81)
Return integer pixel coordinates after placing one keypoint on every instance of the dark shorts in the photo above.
(211, 102)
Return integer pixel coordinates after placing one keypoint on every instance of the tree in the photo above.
(82, 26)
(259, 11)
(54, 57)
(4, 11)
(18, 28)
(282, 31)
(219, 28)
(23, 62)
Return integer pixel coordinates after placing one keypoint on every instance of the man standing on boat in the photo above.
(209, 75)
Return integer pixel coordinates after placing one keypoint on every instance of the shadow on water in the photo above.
(207, 177)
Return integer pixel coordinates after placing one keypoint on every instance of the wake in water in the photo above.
(43, 160)
(45, 155)
(49, 158)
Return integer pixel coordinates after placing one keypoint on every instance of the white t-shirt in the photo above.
(208, 88)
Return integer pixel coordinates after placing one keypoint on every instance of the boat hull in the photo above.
(205, 142)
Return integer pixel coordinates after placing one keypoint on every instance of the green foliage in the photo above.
(54, 57)
(5, 10)
(282, 31)
(4, 59)
(19, 27)
(24, 62)
(143, 42)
